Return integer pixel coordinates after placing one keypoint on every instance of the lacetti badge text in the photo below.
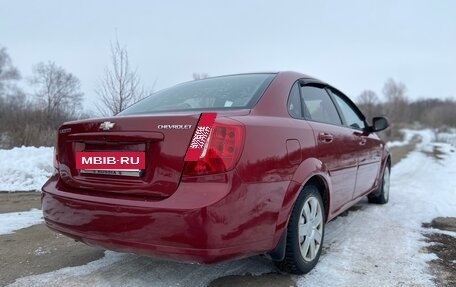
(110, 160)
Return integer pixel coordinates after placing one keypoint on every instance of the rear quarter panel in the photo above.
(273, 170)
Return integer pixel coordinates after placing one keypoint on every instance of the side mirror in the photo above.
(379, 124)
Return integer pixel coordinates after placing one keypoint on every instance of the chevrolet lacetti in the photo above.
(218, 169)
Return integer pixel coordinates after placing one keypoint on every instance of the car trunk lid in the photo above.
(164, 139)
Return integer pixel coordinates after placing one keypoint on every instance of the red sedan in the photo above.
(218, 169)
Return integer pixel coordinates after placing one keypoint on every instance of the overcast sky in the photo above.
(354, 45)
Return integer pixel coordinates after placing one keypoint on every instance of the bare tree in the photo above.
(397, 102)
(368, 97)
(33, 121)
(58, 92)
(368, 102)
(434, 112)
(8, 72)
(121, 86)
(394, 91)
(199, 76)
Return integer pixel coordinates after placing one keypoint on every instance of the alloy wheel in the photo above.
(310, 228)
(386, 183)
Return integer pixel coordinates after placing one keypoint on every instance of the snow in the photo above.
(25, 168)
(426, 136)
(116, 269)
(445, 232)
(374, 245)
(10, 222)
(408, 135)
(447, 138)
(39, 251)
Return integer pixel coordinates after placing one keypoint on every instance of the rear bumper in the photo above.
(201, 222)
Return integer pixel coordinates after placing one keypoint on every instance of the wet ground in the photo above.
(444, 246)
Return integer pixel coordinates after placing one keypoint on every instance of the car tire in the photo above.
(305, 233)
(381, 195)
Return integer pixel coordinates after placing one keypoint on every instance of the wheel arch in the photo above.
(311, 171)
(320, 183)
(385, 163)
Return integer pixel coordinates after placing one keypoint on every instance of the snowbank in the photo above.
(409, 134)
(447, 138)
(10, 222)
(25, 168)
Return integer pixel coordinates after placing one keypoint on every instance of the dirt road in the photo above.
(37, 250)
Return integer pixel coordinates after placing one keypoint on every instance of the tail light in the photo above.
(221, 152)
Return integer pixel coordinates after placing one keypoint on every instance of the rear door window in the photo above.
(318, 106)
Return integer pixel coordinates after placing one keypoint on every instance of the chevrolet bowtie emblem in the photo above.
(106, 126)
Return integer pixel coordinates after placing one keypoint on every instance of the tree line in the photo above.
(401, 110)
(31, 119)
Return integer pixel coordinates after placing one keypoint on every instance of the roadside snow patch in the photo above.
(447, 138)
(10, 222)
(25, 168)
(408, 135)
(117, 269)
(425, 136)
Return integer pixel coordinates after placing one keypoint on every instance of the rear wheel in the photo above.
(381, 195)
(305, 233)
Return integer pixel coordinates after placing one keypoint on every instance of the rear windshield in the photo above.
(227, 92)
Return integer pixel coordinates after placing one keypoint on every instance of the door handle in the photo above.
(362, 141)
(325, 137)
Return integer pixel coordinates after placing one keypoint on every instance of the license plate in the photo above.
(111, 163)
(134, 173)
